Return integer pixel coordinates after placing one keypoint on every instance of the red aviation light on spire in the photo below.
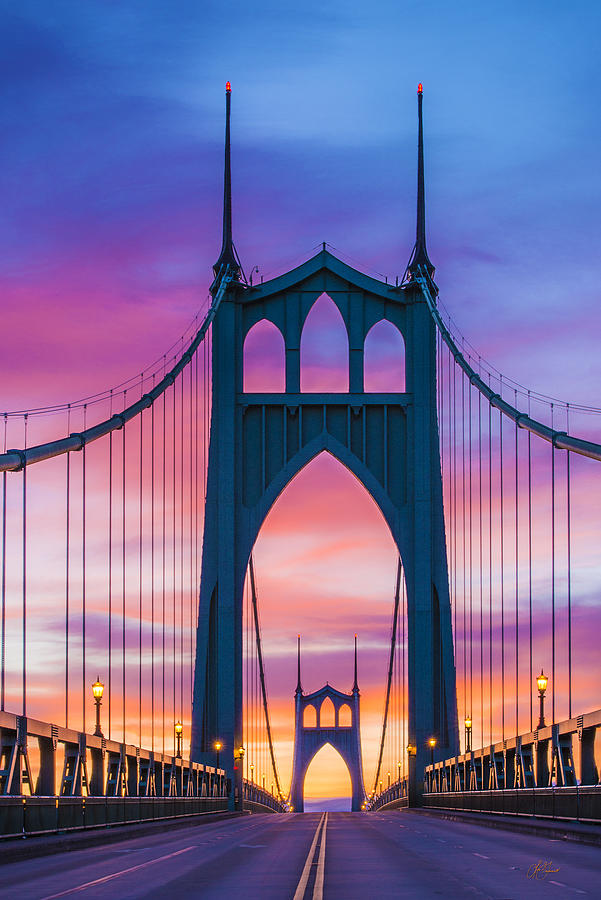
(228, 87)
(420, 88)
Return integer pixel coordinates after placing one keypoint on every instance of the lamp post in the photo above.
(398, 765)
(468, 733)
(541, 683)
(97, 689)
(178, 737)
(432, 744)
(217, 747)
(252, 773)
(388, 774)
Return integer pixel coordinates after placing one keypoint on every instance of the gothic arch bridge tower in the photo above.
(310, 737)
(259, 442)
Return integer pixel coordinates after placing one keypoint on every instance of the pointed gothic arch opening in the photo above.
(327, 714)
(345, 716)
(310, 717)
(264, 359)
(384, 359)
(326, 548)
(324, 353)
(327, 782)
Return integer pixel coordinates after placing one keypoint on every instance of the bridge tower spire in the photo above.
(355, 683)
(299, 687)
(228, 255)
(420, 257)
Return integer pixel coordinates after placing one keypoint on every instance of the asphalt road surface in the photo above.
(313, 856)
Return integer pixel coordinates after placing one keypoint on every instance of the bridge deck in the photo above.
(395, 854)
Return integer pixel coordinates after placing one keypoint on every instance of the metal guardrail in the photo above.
(254, 797)
(92, 766)
(395, 796)
(537, 773)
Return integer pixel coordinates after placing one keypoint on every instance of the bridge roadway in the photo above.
(311, 856)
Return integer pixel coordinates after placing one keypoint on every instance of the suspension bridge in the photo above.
(129, 520)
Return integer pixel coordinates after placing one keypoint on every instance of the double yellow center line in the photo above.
(310, 862)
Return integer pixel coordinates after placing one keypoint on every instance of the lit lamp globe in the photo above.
(542, 682)
(468, 732)
(97, 691)
(178, 734)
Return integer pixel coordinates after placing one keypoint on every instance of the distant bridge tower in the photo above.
(260, 441)
(309, 739)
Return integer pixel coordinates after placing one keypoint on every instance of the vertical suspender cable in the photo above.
(152, 567)
(552, 574)
(517, 577)
(463, 542)
(530, 682)
(83, 576)
(110, 576)
(181, 554)
(395, 619)
(24, 660)
(140, 564)
(502, 574)
(123, 569)
(174, 554)
(3, 625)
(569, 561)
(67, 572)
(262, 671)
(191, 496)
(480, 568)
(164, 554)
(490, 628)
(470, 550)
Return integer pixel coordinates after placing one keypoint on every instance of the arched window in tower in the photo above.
(384, 359)
(324, 349)
(345, 716)
(327, 717)
(309, 717)
(264, 359)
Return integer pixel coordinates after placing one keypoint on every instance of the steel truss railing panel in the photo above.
(530, 774)
(254, 794)
(96, 767)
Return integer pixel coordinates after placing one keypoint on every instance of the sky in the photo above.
(110, 177)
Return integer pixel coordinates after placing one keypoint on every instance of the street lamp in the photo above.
(468, 733)
(399, 768)
(217, 747)
(388, 773)
(541, 683)
(178, 736)
(432, 743)
(411, 750)
(97, 689)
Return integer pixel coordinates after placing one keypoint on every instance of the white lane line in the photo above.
(482, 856)
(83, 887)
(321, 864)
(558, 883)
(300, 890)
